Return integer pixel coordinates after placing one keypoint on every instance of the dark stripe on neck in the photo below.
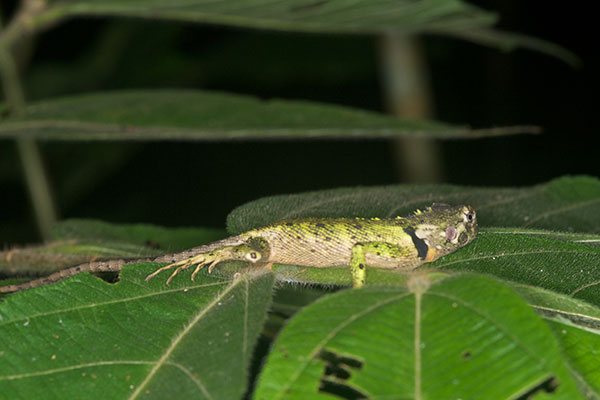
(419, 243)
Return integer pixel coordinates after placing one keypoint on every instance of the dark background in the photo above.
(198, 183)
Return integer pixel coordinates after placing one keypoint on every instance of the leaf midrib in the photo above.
(163, 359)
(331, 335)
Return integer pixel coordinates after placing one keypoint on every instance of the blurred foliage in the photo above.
(471, 84)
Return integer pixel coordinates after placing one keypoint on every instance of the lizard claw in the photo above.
(209, 260)
(210, 266)
(179, 266)
(198, 268)
(175, 273)
(158, 271)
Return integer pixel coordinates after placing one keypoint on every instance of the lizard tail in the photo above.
(92, 267)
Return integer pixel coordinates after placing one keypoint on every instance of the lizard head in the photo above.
(445, 228)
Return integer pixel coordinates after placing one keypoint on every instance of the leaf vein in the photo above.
(192, 377)
(163, 359)
(74, 367)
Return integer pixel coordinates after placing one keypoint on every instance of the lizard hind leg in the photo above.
(253, 252)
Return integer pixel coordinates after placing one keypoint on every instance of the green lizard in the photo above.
(400, 242)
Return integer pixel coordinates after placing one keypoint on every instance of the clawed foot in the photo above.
(249, 252)
(209, 260)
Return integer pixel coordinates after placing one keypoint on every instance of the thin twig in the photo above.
(33, 166)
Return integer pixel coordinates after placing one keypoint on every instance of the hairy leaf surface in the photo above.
(84, 338)
(569, 204)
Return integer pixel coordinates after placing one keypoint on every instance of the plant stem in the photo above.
(33, 167)
(407, 94)
(39, 186)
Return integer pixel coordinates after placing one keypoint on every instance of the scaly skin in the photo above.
(401, 242)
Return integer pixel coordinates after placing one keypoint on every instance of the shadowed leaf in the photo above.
(443, 17)
(187, 114)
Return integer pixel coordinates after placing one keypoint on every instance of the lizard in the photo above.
(398, 242)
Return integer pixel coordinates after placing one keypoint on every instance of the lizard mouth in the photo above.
(432, 254)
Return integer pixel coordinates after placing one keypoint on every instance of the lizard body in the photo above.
(400, 242)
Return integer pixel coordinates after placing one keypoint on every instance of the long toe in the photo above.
(198, 268)
(173, 275)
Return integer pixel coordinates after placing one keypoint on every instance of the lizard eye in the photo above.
(469, 217)
(253, 256)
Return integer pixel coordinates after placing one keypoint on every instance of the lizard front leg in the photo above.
(255, 250)
(358, 258)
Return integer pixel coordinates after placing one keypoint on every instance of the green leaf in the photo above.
(79, 241)
(508, 41)
(438, 342)
(559, 307)
(446, 17)
(581, 350)
(565, 267)
(84, 338)
(576, 325)
(567, 204)
(187, 114)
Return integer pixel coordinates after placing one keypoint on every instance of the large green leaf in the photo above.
(447, 17)
(561, 266)
(436, 341)
(559, 307)
(84, 338)
(567, 204)
(187, 114)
